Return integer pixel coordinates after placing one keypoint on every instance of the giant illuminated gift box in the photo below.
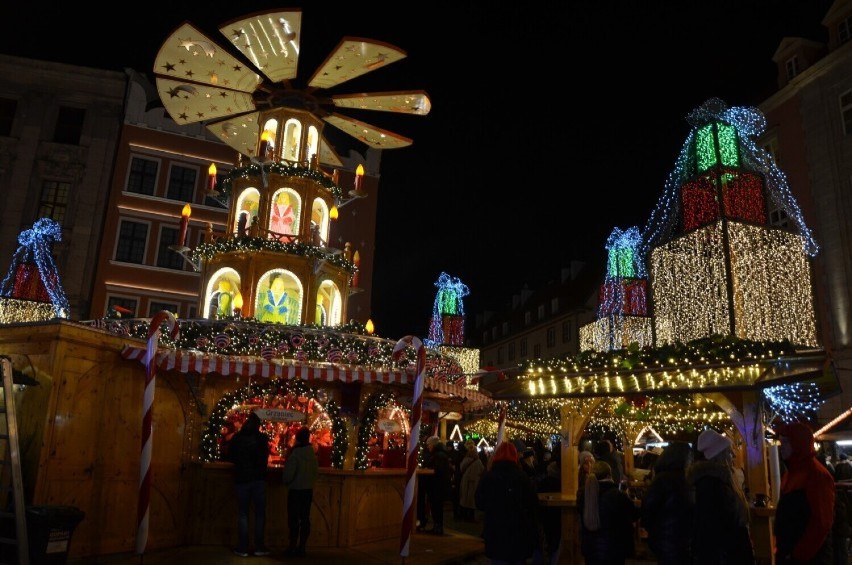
(742, 198)
(28, 284)
(633, 292)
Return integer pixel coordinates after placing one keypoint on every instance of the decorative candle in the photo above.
(359, 176)
(264, 144)
(238, 304)
(356, 259)
(333, 214)
(184, 222)
(211, 178)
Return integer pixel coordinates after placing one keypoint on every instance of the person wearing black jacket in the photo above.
(667, 506)
(440, 483)
(507, 497)
(248, 450)
(607, 523)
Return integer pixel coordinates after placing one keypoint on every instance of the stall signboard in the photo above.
(280, 415)
(389, 426)
(429, 405)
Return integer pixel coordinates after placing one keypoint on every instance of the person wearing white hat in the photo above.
(721, 514)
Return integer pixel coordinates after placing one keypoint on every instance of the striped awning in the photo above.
(184, 361)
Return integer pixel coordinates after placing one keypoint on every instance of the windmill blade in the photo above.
(189, 55)
(270, 40)
(352, 58)
(327, 154)
(412, 102)
(188, 102)
(240, 132)
(373, 136)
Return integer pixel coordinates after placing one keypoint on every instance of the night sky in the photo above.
(551, 123)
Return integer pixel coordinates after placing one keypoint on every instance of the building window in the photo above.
(844, 30)
(69, 125)
(181, 183)
(167, 258)
(193, 310)
(129, 304)
(566, 332)
(771, 147)
(778, 217)
(792, 67)
(8, 107)
(143, 176)
(551, 336)
(537, 350)
(485, 337)
(131, 242)
(499, 355)
(527, 317)
(846, 111)
(505, 328)
(54, 200)
(512, 351)
(494, 332)
(156, 307)
(554, 305)
(523, 347)
(541, 311)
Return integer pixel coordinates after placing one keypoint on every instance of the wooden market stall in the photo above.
(81, 431)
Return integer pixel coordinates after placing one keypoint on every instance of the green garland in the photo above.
(247, 244)
(256, 170)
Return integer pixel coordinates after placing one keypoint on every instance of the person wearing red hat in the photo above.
(805, 510)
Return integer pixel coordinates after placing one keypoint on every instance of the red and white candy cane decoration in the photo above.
(501, 424)
(142, 513)
(413, 439)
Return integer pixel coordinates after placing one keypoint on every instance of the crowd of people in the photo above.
(695, 509)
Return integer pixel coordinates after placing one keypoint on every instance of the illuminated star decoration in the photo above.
(35, 248)
(748, 122)
(448, 303)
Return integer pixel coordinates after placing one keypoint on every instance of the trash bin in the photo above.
(49, 530)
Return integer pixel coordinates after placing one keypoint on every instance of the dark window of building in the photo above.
(131, 242)
(537, 350)
(500, 355)
(778, 217)
(512, 351)
(566, 332)
(54, 200)
(527, 317)
(551, 336)
(523, 347)
(156, 307)
(844, 30)
(846, 111)
(8, 107)
(505, 328)
(554, 305)
(69, 125)
(167, 258)
(792, 67)
(181, 183)
(193, 311)
(143, 176)
(541, 311)
(129, 304)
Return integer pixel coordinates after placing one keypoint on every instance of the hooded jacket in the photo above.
(301, 468)
(805, 511)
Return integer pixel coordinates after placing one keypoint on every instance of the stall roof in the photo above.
(185, 361)
(810, 365)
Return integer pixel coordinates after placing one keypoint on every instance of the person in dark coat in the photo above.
(301, 470)
(667, 508)
(424, 486)
(248, 450)
(805, 510)
(506, 495)
(608, 519)
(605, 451)
(550, 517)
(720, 527)
(440, 484)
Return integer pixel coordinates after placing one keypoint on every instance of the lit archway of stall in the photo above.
(384, 427)
(271, 399)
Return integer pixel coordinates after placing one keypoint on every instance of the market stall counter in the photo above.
(349, 508)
